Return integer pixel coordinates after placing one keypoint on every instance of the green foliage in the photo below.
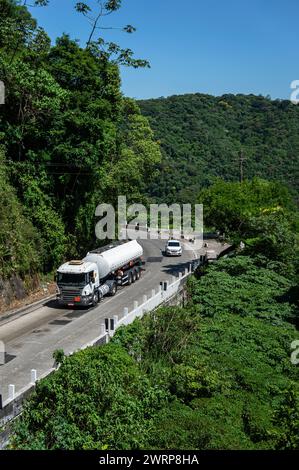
(199, 377)
(72, 141)
(202, 136)
(20, 243)
(286, 419)
(243, 286)
(58, 356)
(45, 219)
(98, 399)
(260, 213)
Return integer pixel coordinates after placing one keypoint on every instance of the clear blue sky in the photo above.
(208, 46)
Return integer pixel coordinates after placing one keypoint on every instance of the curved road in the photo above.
(31, 339)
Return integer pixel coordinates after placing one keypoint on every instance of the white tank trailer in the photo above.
(85, 282)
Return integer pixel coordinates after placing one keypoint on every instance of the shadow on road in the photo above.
(175, 269)
(55, 305)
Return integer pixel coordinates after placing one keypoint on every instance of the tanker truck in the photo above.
(85, 282)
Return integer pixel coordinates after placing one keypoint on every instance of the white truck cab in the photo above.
(78, 283)
(85, 282)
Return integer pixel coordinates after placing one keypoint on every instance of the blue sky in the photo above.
(207, 46)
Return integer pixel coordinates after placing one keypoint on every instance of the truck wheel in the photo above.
(134, 277)
(129, 279)
(95, 299)
(137, 274)
(113, 290)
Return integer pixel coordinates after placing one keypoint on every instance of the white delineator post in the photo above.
(11, 391)
(2, 353)
(33, 376)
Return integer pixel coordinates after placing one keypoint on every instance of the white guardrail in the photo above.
(10, 408)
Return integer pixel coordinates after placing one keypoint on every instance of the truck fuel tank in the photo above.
(115, 258)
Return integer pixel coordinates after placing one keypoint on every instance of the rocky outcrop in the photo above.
(15, 288)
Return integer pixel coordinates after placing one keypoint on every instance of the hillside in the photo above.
(202, 137)
(68, 141)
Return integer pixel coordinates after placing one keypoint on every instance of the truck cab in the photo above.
(77, 283)
(85, 282)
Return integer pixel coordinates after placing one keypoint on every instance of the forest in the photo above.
(69, 140)
(203, 137)
(215, 373)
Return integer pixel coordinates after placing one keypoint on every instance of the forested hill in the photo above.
(69, 141)
(203, 136)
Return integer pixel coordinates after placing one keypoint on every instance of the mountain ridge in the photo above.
(202, 137)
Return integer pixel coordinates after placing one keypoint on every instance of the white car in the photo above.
(173, 248)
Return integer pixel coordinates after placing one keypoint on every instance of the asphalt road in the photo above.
(31, 339)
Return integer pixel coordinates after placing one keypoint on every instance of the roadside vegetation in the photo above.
(216, 374)
(69, 139)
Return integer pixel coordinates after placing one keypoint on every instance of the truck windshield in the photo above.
(71, 278)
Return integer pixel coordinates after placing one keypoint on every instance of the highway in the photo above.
(30, 339)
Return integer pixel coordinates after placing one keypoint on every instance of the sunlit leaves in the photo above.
(82, 7)
(129, 29)
(113, 5)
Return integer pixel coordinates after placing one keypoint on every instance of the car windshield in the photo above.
(177, 244)
(71, 278)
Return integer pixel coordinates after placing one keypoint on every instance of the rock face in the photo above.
(15, 288)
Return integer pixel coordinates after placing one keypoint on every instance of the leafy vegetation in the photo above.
(260, 213)
(214, 375)
(71, 140)
(20, 244)
(203, 137)
(98, 399)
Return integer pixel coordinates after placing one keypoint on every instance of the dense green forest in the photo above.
(203, 137)
(69, 141)
(216, 374)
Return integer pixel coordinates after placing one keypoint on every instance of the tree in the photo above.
(20, 243)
